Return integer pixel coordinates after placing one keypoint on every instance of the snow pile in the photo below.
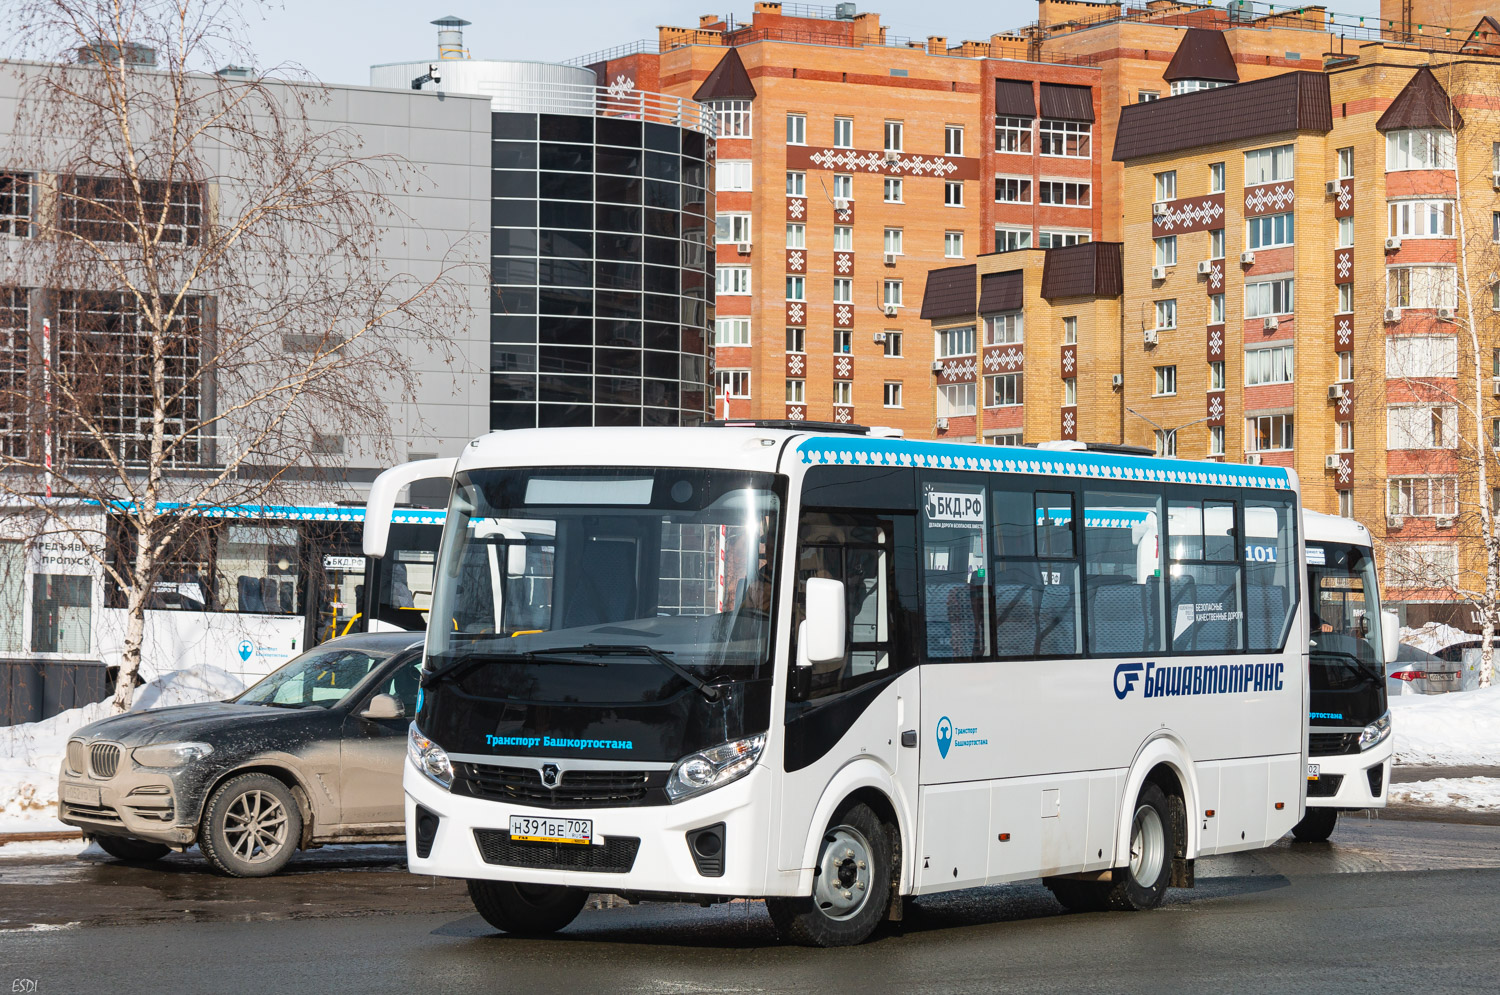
(1461, 727)
(1477, 794)
(1434, 636)
(31, 753)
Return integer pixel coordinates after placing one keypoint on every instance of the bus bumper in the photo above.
(646, 848)
(1352, 781)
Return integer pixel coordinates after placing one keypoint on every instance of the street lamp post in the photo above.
(1168, 433)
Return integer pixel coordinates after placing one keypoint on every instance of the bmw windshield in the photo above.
(598, 585)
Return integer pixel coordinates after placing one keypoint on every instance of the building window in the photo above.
(893, 189)
(1003, 391)
(1345, 368)
(1012, 190)
(893, 136)
(953, 245)
(1268, 433)
(1421, 426)
(796, 236)
(796, 129)
(1065, 138)
(953, 193)
(1166, 314)
(1166, 185)
(843, 132)
(732, 228)
(796, 392)
(892, 293)
(100, 209)
(893, 393)
(1346, 298)
(1421, 565)
(1268, 165)
(796, 288)
(1216, 309)
(1274, 364)
(1070, 331)
(1269, 231)
(732, 332)
(1064, 193)
(1216, 375)
(1421, 219)
(1269, 297)
(892, 345)
(893, 241)
(796, 183)
(796, 340)
(732, 280)
(734, 383)
(843, 393)
(1146, 96)
(843, 290)
(1421, 356)
(1004, 439)
(1216, 177)
(1421, 286)
(1166, 442)
(955, 400)
(843, 186)
(953, 140)
(843, 238)
(1346, 233)
(1418, 148)
(734, 118)
(1216, 440)
(1013, 134)
(843, 341)
(1008, 239)
(1005, 329)
(1166, 250)
(1216, 243)
(15, 204)
(953, 342)
(1343, 436)
(1346, 163)
(1422, 497)
(1057, 239)
(1346, 504)
(732, 174)
(1181, 86)
(1070, 391)
(1166, 381)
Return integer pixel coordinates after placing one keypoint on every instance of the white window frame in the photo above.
(733, 383)
(1216, 375)
(732, 332)
(1419, 425)
(1008, 238)
(732, 227)
(1421, 357)
(956, 400)
(1345, 237)
(1166, 184)
(1216, 309)
(953, 139)
(1280, 427)
(1016, 190)
(1421, 566)
(892, 293)
(796, 288)
(1421, 286)
(843, 186)
(1216, 243)
(732, 281)
(843, 290)
(796, 129)
(843, 238)
(796, 236)
(843, 393)
(796, 183)
(1070, 330)
(1273, 164)
(1422, 496)
(1013, 135)
(733, 118)
(1343, 434)
(1346, 163)
(1005, 390)
(1216, 177)
(732, 175)
(1165, 441)
(953, 245)
(1344, 372)
(894, 136)
(1053, 238)
(1055, 193)
(1216, 440)
(843, 132)
(1166, 250)
(1270, 231)
(843, 341)
(892, 184)
(1418, 148)
(1065, 139)
(892, 394)
(796, 392)
(1166, 314)
(891, 347)
(1345, 302)
(1005, 329)
(1273, 364)
(953, 193)
(1261, 297)
(796, 340)
(956, 342)
(894, 241)
(1166, 381)
(1070, 392)
(1417, 217)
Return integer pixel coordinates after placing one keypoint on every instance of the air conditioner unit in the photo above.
(1269, 324)
(890, 310)
(744, 248)
(1160, 207)
(1495, 181)
(1205, 267)
(1152, 336)
(1445, 314)
(1336, 392)
(1394, 521)
(1392, 244)
(1158, 272)
(942, 424)
(1253, 459)
(840, 204)
(1247, 258)
(1445, 522)
(1117, 381)
(891, 155)
(890, 259)
(1331, 187)
(1392, 314)
(880, 336)
(1495, 387)
(937, 366)
(1332, 462)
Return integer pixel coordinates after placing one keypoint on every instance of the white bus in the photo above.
(833, 670)
(1351, 641)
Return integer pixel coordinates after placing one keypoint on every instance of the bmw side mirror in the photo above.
(384, 706)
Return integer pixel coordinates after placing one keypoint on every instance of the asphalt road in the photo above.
(1389, 906)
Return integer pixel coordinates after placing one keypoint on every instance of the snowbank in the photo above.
(1477, 794)
(1434, 636)
(31, 753)
(1462, 727)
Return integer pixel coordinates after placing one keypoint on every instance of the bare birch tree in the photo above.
(209, 320)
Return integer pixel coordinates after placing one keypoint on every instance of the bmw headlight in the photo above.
(1376, 732)
(714, 767)
(428, 757)
(170, 754)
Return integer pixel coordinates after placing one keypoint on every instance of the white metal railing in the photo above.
(599, 101)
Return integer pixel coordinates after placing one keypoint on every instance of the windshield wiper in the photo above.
(464, 664)
(708, 691)
(1367, 668)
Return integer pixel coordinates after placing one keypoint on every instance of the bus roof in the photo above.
(1318, 527)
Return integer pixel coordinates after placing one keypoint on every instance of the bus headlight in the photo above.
(428, 757)
(714, 767)
(1376, 732)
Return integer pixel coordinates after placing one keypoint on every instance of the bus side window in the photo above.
(1122, 548)
(1270, 551)
(1034, 576)
(856, 550)
(955, 569)
(1204, 609)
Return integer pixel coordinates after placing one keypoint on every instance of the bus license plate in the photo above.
(1312, 771)
(538, 830)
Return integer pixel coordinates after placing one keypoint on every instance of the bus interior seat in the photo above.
(1267, 604)
(1119, 618)
(606, 592)
(1184, 593)
(288, 591)
(1057, 622)
(1217, 634)
(251, 598)
(952, 626)
(1016, 619)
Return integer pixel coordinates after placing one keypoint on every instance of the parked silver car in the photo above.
(311, 754)
(1419, 672)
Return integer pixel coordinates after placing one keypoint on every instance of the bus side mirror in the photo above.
(515, 560)
(1390, 635)
(820, 639)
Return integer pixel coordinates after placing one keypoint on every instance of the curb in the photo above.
(39, 837)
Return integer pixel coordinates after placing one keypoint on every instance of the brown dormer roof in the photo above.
(1296, 101)
(1423, 103)
(1202, 54)
(949, 293)
(728, 81)
(1088, 269)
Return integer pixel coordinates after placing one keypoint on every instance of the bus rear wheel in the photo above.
(851, 885)
(1140, 884)
(526, 909)
(1316, 825)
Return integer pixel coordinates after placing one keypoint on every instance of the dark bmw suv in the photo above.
(311, 754)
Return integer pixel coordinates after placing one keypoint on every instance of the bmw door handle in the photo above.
(909, 739)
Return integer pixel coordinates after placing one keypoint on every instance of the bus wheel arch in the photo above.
(855, 881)
(1162, 762)
(870, 785)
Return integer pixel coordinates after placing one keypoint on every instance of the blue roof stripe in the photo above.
(295, 513)
(846, 451)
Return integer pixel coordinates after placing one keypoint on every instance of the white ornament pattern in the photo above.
(843, 316)
(796, 413)
(843, 368)
(1346, 470)
(795, 365)
(794, 313)
(959, 370)
(1346, 403)
(1276, 197)
(1068, 361)
(1216, 341)
(1216, 276)
(796, 261)
(796, 209)
(1345, 195)
(847, 214)
(843, 262)
(1068, 424)
(843, 415)
(1344, 331)
(1216, 407)
(875, 162)
(1184, 215)
(620, 87)
(1343, 264)
(994, 359)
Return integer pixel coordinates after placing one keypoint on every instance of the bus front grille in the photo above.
(1332, 744)
(1325, 787)
(575, 788)
(616, 856)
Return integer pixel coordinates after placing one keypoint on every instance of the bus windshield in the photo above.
(617, 568)
(1345, 629)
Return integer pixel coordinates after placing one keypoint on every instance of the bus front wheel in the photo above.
(526, 909)
(1316, 825)
(851, 885)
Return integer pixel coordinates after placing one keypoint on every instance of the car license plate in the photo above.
(80, 794)
(1312, 771)
(535, 829)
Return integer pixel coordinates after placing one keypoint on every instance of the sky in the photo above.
(338, 40)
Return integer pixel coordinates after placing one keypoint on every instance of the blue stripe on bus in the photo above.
(1087, 465)
(296, 513)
